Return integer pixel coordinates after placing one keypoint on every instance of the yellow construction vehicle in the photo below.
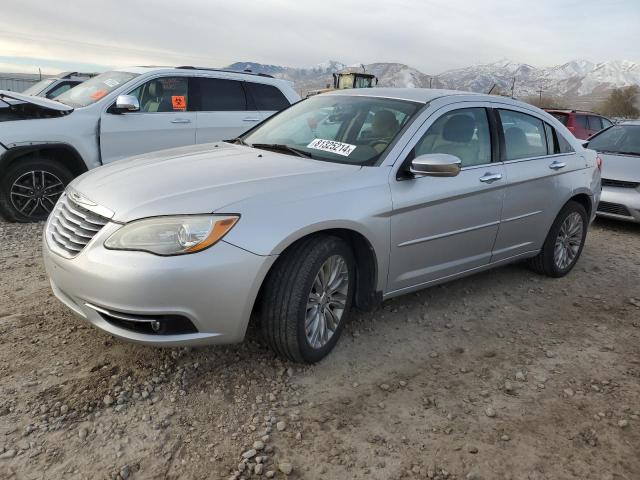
(343, 80)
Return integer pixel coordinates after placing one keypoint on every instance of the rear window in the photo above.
(267, 97)
(220, 95)
(524, 135)
(561, 117)
(581, 121)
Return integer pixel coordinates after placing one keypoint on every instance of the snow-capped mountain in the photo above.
(572, 79)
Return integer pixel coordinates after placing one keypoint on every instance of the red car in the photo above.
(581, 124)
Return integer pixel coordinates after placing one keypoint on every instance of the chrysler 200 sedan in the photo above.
(340, 201)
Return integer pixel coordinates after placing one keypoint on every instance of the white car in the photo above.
(53, 87)
(44, 143)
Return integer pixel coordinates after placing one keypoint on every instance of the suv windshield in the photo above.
(336, 128)
(94, 89)
(618, 139)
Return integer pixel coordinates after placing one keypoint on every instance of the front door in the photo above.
(164, 121)
(442, 226)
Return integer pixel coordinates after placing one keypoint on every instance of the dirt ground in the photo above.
(503, 375)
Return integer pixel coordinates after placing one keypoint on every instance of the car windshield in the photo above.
(36, 88)
(335, 128)
(94, 89)
(623, 139)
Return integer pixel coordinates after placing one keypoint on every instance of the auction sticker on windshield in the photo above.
(338, 148)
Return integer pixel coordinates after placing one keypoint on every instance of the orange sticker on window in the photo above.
(178, 103)
(98, 94)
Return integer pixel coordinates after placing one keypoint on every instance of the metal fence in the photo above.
(17, 82)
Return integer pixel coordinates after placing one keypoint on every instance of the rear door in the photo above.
(265, 99)
(221, 106)
(165, 120)
(533, 161)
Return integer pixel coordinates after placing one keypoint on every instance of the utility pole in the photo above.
(513, 86)
(540, 95)
(430, 81)
(40, 73)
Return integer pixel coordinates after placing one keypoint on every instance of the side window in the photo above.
(267, 97)
(221, 95)
(166, 94)
(524, 135)
(464, 133)
(595, 123)
(60, 88)
(581, 121)
(556, 142)
(606, 123)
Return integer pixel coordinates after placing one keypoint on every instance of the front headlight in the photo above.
(172, 235)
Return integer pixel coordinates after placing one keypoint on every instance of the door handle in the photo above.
(180, 120)
(556, 165)
(490, 177)
(250, 119)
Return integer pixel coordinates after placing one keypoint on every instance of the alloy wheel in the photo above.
(568, 241)
(327, 301)
(36, 191)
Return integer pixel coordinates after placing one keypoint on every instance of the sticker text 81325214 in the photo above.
(331, 146)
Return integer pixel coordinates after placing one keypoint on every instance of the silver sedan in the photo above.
(619, 147)
(342, 200)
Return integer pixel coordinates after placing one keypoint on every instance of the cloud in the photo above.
(432, 35)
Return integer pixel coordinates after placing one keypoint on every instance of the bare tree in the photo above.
(623, 102)
(546, 101)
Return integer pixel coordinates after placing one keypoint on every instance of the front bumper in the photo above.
(214, 289)
(620, 203)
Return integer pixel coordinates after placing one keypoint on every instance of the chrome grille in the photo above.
(71, 227)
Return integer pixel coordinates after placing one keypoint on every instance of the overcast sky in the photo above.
(431, 35)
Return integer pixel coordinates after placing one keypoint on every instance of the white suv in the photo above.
(119, 114)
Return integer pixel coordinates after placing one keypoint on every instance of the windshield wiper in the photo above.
(279, 147)
(237, 141)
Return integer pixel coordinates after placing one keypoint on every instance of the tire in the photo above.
(292, 283)
(548, 262)
(20, 201)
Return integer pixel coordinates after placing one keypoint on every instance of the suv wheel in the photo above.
(307, 298)
(30, 189)
(564, 242)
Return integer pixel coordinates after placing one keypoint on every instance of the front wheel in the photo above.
(564, 242)
(30, 189)
(307, 298)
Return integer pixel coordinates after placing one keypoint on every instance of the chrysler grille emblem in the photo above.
(76, 197)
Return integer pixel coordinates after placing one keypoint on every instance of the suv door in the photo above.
(533, 160)
(165, 120)
(221, 106)
(441, 226)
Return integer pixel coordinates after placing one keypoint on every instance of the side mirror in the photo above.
(127, 103)
(436, 165)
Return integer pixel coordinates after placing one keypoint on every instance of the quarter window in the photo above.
(581, 121)
(221, 95)
(267, 97)
(524, 135)
(463, 133)
(166, 94)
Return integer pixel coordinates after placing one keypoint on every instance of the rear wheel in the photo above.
(30, 189)
(564, 242)
(307, 298)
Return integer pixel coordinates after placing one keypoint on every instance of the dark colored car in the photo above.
(581, 124)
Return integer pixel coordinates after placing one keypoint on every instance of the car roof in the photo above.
(424, 95)
(196, 70)
(630, 122)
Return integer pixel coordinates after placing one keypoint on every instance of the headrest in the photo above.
(459, 128)
(155, 89)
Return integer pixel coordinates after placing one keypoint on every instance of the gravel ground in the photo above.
(503, 375)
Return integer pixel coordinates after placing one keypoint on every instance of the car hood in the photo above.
(620, 167)
(201, 179)
(38, 101)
